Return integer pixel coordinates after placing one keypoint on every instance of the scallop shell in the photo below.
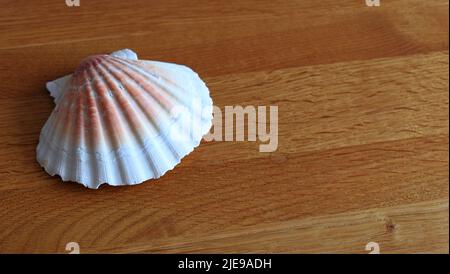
(121, 121)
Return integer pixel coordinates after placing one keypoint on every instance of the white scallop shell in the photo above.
(121, 121)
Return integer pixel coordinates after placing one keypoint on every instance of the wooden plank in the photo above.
(240, 39)
(237, 195)
(361, 104)
(413, 228)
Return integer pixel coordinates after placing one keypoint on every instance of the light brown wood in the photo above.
(318, 234)
(362, 94)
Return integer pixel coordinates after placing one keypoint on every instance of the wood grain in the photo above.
(318, 234)
(363, 128)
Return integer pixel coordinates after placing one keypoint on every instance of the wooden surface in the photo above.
(363, 148)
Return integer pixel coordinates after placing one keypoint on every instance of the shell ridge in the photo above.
(119, 152)
(138, 104)
(57, 118)
(156, 97)
(202, 92)
(143, 72)
(106, 145)
(131, 118)
(98, 141)
(122, 122)
(68, 130)
(148, 92)
(147, 149)
(174, 84)
(113, 120)
(134, 64)
(78, 137)
(190, 78)
(144, 143)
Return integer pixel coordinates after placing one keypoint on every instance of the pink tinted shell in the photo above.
(114, 121)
